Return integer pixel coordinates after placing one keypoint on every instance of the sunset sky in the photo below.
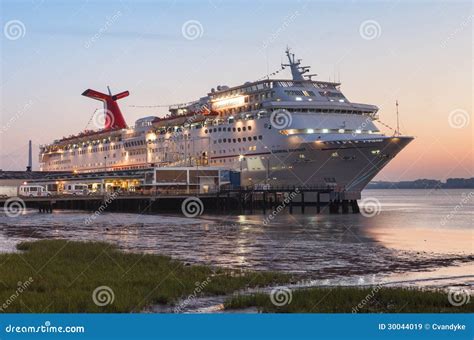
(416, 52)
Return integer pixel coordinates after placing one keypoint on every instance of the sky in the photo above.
(165, 52)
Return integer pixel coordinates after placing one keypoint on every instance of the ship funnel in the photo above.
(29, 167)
(113, 115)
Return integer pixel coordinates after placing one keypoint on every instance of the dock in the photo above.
(239, 200)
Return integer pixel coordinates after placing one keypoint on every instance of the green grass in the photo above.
(345, 299)
(65, 275)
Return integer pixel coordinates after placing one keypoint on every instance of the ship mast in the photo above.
(297, 71)
(398, 121)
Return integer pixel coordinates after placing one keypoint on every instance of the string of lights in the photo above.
(271, 74)
(387, 126)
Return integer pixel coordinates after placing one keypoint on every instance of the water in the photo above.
(416, 237)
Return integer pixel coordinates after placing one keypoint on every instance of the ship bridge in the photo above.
(315, 96)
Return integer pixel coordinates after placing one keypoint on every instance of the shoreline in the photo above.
(70, 273)
(402, 264)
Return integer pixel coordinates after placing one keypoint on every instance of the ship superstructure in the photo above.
(298, 132)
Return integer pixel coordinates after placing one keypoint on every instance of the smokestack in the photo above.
(30, 157)
(113, 115)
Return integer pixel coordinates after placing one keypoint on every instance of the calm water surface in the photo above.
(420, 237)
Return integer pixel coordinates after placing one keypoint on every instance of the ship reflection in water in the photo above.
(418, 236)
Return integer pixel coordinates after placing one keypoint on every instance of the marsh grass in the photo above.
(65, 274)
(347, 299)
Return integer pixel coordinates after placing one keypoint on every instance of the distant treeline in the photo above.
(451, 183)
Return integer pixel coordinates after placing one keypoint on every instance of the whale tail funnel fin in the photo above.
(113, 116)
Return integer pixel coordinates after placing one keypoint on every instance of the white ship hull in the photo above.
(347, 161)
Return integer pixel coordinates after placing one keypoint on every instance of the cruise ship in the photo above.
(281, 132)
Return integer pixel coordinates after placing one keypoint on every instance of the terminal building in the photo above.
(146, 181)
